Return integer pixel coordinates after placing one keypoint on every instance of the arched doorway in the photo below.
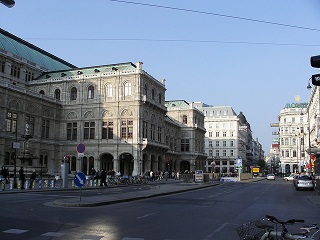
(106, 162)
(287, 168)
(184, 166)
(126, 164)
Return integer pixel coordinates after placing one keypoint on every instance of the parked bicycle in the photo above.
(259, 230)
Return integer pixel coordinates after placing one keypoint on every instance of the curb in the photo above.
(60, 203)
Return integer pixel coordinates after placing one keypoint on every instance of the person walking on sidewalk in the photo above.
(103, 177)
(22, 177)
(32, 178)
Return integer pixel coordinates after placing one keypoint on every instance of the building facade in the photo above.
(293, 135)
(117, 112)
(228, 139)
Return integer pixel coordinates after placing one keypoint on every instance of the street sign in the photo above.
(81, 148)
(80, 179)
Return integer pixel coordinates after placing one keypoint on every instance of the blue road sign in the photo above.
(80, 179)
(81, 148)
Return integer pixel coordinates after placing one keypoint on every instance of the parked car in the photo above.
(295, 178)
(304, 182)
(290, 178)
(271, 176)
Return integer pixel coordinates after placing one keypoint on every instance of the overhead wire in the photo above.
(216, 14)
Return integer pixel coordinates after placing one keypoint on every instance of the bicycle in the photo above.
(263, 231)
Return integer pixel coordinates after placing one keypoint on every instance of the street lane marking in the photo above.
(15, 231)
(147, 215)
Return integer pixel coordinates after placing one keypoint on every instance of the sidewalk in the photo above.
(157, 188)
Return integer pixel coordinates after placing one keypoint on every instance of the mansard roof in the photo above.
(23, 50)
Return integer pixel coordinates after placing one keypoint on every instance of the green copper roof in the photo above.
(33, 54)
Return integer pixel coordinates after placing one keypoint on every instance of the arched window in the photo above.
(109, 90)
(41, 92)
(185, 119)
(127, 89)
(152, 94)
(73, 93)
(145, 90)
(57, 94)
(90, 92)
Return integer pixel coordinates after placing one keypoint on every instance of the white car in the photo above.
(290, 178)
(271, 176)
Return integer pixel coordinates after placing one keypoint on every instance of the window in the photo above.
(185, 119)
(217, 153)
(57, 94)
(294, 141)
(231, 153)
(217, 143)
(12, 122)
(29, 76)
(159, 134)
(231, 143)
(89, 129)
(224, 153)
(210, 153)
(3, 66)
(287, 153)
(15, 71)
(90, 92)
(109, 90)
(30, 122)
(153, 131)
(73, 93)
(210, 143)
(217, 134)
(210, 134)
(231, 134)
(160, 97)
(145, 129)
(293, 120)
(294, 153)
(224, 143)
(41, 92)
(145, 90)
(107, 130)
(45, 128)
(224, 134)
(127, 89)
(72, 131)
(126, 129)
(185, 145)
(152, 94)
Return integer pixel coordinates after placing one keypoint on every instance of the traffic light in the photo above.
(8, 3)
(316, 79)
(315, 61)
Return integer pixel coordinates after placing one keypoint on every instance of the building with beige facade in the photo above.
(117, 112)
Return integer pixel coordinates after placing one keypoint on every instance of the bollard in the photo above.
(52, 184)
(11, 185)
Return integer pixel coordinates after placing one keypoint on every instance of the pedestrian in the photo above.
(93, 173)
(22, 177)
(103, 177)
(32, 178)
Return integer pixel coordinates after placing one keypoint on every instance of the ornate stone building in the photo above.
(118, 112)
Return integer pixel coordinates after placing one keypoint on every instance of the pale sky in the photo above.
(252, 55)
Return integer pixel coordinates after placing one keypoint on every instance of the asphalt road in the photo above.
(205, 214)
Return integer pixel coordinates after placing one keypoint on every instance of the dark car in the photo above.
(304, 182)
